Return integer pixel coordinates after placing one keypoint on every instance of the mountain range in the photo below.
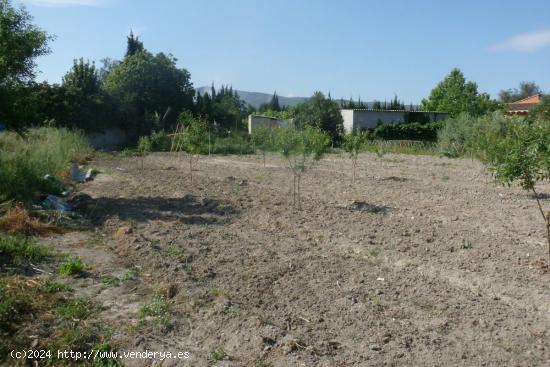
(257, 98)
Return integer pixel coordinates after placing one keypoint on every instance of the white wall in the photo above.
(368, 119)
(347, 116)
(255, 120)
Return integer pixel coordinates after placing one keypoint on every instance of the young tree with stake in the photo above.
(301, 148)
(353, 144)
(262, 138)
(190, 138)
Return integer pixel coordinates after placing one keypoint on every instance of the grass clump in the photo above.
(18, 220)
(21, 249)
(159, 309)
(73, 267)
(219, 354)
(53, 287)
(26, 158)
(75, 309)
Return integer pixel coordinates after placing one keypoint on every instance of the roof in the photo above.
(529, 100)
(525, 104)
(379, 110)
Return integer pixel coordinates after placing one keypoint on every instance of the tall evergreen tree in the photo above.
(134, 45)
(274, 103)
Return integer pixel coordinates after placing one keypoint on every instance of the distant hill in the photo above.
(257, 98)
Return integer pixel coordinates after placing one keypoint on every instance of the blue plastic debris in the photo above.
(52, 202)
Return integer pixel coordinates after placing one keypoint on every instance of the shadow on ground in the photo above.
(188, 209)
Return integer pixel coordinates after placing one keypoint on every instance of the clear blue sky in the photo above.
(371, 49)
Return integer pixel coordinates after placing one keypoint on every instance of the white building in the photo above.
(365, 119)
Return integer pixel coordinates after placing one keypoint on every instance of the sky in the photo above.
(360, 49)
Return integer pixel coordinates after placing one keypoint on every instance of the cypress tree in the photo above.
(133, 45)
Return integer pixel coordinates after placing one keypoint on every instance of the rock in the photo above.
(375, 347)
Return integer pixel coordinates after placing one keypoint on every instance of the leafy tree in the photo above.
(454, 95)
(322, 113)
(108, 65)
(83, 76)
(224, 107)
(21, 42)
(526, 89)
(86, 104)
(523, 156)
(144, 84)
(353, 144)
(301, 148)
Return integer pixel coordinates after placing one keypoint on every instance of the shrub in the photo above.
(474, 136)
(409, 131)
(233, 143)
(26, 159)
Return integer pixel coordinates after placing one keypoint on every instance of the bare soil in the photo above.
(424, 261)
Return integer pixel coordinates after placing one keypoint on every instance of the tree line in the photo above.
(144, 92)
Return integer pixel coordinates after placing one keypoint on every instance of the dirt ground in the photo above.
(424, 261)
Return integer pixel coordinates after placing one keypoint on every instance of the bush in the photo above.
(474, 136)
(234, 143)
(409, 131)
(160, 141)
(26, 159)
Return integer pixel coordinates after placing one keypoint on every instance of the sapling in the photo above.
(301, 148)
(263, 139)
(190, 138)
(144, 147)
(523, 156)
(353, 144)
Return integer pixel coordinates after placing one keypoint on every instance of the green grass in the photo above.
(128, 275)
(22, 249)
(159, 309)
(53, 287)
(77, 308)
(218, 354)
(45, 309)
(26, 159)
(73, 267)
(381, 147)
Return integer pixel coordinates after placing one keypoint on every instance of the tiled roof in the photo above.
(529, 100)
